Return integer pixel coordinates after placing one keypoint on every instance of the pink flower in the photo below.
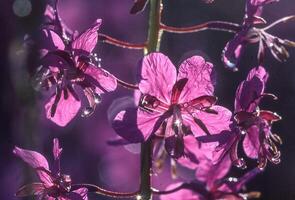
(248, 34)
(173, 105)
(259, 141)
(53, 185)
(211, 184)
(68, 64)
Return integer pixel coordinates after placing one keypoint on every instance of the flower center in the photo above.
(64, 183)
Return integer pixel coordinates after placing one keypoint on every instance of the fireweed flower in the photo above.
(54, 185)
(66, 64)
(211, 184)
(259, 142)
(173, 105)
(250, 34)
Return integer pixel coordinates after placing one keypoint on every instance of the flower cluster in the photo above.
(175, 112)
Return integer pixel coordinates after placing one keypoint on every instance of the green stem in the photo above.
(146, 167)
(153, 44)
(155, 32)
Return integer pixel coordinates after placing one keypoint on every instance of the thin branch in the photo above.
(158, 192)
(212, 25)
(127, 85)
(119, 43)
(282, 20)
(104, 192)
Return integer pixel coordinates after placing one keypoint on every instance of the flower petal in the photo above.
(136, 125)
(259, 72)
(157, 76)
(209, 173)
(66, 109)
(201, 78)
(79, 194)
(214, 123)
(233, 50)
(102, 79)
(87, 40)
(251, 143)
(249, 92)
(36, 161)
(192, 153)
(50, 41)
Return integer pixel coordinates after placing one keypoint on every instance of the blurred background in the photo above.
(86, 156)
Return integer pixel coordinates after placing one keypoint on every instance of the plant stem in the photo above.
(211, 25)
(154, 33)
(119, 43)
(153, 44)
(98, 190)
(145, 171)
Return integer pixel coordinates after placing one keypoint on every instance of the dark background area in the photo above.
(86, 155)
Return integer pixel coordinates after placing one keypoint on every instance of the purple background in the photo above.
(86, 155)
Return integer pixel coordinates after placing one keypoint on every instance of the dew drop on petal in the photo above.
(97, 98)
(22, 8)
(87, 112)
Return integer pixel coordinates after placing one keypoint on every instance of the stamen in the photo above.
(282, 20)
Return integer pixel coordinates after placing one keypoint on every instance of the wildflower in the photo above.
(210, 184)
(54, 184)
(172, 106)
(67, 64)
(259, 141)
(251, 34)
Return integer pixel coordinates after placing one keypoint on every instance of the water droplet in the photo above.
(240, 163)
(97, 98)
(87, 112)
(22, 8)
(138, 197)
(243, 132)
(177, 123)
(232, 179)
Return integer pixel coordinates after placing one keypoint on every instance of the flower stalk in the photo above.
(119, 43)
(211, 25)
(153, 44)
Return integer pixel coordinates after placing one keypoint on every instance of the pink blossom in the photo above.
(173, 105)
(259, 141)
(248, 34)
(53, 185)
(211, 184)
(68, 63)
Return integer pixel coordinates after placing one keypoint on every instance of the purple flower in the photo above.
(66, 64)
(259, 141)
(212, 185)
(53, 185)
(250, 34)
(173, 105)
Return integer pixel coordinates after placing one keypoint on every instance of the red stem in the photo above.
(127, 85)
(213, 25)
(119, 43)
(101, 191)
